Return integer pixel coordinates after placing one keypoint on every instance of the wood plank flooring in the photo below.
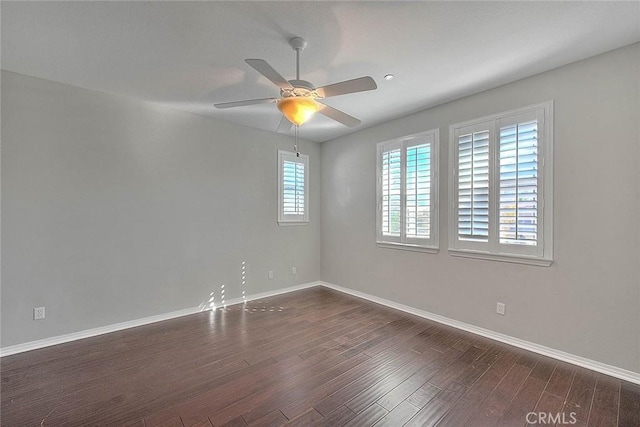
(309, 358)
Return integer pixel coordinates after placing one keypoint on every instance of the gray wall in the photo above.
(115, 209)
(587, 303)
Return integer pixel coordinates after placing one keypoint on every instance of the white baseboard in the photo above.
(274, 293)
(614, 371)
(60, 339)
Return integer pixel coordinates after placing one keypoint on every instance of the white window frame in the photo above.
(431, 244)
(542, 253)
(287, 219)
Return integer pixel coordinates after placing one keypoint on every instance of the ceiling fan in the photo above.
(299, 98)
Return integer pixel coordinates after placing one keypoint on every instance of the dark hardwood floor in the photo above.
(313, 357)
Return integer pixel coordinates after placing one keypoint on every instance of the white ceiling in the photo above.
(190, 55)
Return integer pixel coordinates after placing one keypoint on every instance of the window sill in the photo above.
(517, 259)
(287, 223)
(407, 247)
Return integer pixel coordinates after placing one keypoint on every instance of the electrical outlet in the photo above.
(270, 274)
(38, 313)
(500, 308)
(294, 271)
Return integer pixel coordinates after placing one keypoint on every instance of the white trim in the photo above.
(517, 259)
(408, 247)
(285, 223)
(614, 371)
(60, 339)
(87, 333)
(276, 292)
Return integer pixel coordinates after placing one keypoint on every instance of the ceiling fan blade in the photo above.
(348, 86)
(284, 126)
(267, 70)
(243, 103)
(338, 115)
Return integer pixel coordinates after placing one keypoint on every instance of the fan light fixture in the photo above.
(298, 109)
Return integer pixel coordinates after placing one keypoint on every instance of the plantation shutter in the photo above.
(473, 186)
(518, 211)
(391, 191)
(520, 191)
(502, 197)
(293, 187)
(418, 191)
(406, 192)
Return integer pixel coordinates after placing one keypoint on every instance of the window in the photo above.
(501, 187)
(407, 192)
(293, 188)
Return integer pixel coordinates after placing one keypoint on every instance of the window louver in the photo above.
(519, 184)
(473, 186)
(293, 188)
(418, 191)
(391, 192)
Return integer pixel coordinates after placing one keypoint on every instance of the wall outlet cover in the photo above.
(38, 313)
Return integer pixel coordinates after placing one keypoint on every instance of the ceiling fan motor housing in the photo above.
(300, 88)
(298, 43)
